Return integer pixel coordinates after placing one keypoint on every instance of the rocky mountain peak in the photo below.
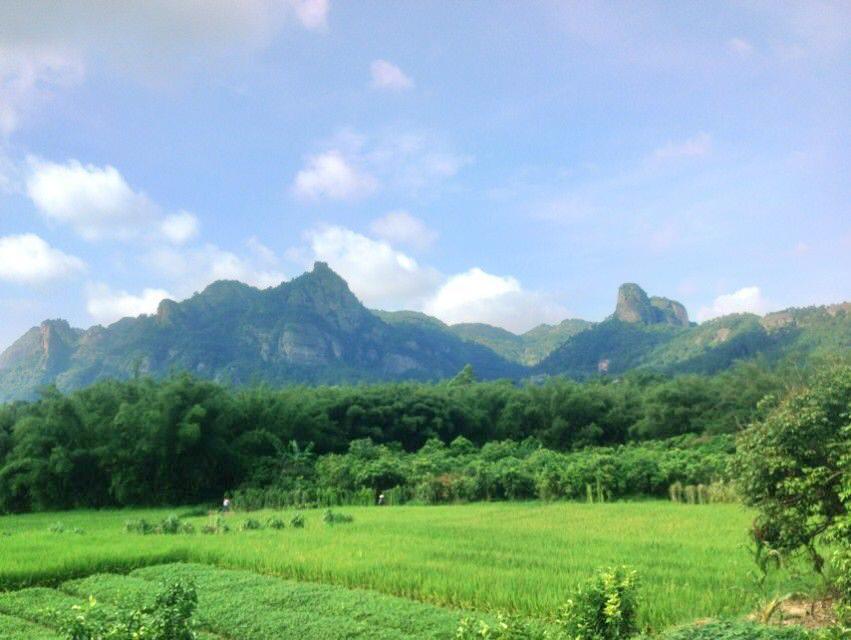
(635, 306)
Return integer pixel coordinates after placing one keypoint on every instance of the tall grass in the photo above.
(520, 557)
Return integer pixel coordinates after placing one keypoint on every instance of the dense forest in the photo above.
(186, 440)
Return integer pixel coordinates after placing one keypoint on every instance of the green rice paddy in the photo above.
(433, 561)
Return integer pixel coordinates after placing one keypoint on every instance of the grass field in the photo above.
(522, 557)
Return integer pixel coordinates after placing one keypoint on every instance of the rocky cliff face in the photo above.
(634, 306)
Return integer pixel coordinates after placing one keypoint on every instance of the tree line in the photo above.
(183, 440)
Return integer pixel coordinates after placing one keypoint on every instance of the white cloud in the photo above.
(694, 147)
(740, 47)
(377, 273)
(180, 227)
(95, 201)
(386, 75)
(478, 296)
(354, 165)
(386, 278)
(158, 33)
(107, 306)
(403, 228)
(745, 300)
(313, 14)
(192, 269)
(27, 259)
(46, 45)
(28, 77)
(98, 203)
(330, 175)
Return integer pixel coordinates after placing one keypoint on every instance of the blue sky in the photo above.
(497, 161)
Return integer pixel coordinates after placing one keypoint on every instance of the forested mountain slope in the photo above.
(314, 330)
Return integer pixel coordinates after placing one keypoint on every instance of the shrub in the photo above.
(842, 583)
(218, 525)
(603, 609)
(170, 525)
(297, 521)
(138, 526)
(332, 517)
(250, 525)
(57, 527)
(169, 618)
(507, 627)
(275, 523)
(793, 466)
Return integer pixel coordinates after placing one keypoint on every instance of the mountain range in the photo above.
(314, 330)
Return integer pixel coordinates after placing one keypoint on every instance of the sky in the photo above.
(504, 162)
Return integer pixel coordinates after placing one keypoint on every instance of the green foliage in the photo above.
(736, 630)
(169, 618)
(297, 521)
(793, 466)
(506, 627)
(606, 608)
(251, 524)
(185, 441)
(333, 517)
(170, 525)
(215, 525)
(275, 522)
(519, 558)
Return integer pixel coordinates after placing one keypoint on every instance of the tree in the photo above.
(794, 466)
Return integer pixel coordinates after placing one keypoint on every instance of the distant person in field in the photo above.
(225, 505)
(380, 499)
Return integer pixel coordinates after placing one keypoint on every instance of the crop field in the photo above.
(395, 572)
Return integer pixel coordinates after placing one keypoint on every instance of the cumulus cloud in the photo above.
(378, 274)
(192, 269)
(386, 75)
(386, 278)
(694, 147)
(98, 203)
(106, 305)
(313, 14)
(745, 300)
(478, 296)
(331, 176)
(27, 259)
(354, 165)
(180, 227)
(403, 228)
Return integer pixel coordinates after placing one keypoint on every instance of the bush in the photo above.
(275, 523)
(603, 609)
(141, 526)
(218, 525)
(169, 618)
(331, 517)
(250, 525)
(170, 525)
(507, 627)
(57, 527)
(297, 521)
(793, 466)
